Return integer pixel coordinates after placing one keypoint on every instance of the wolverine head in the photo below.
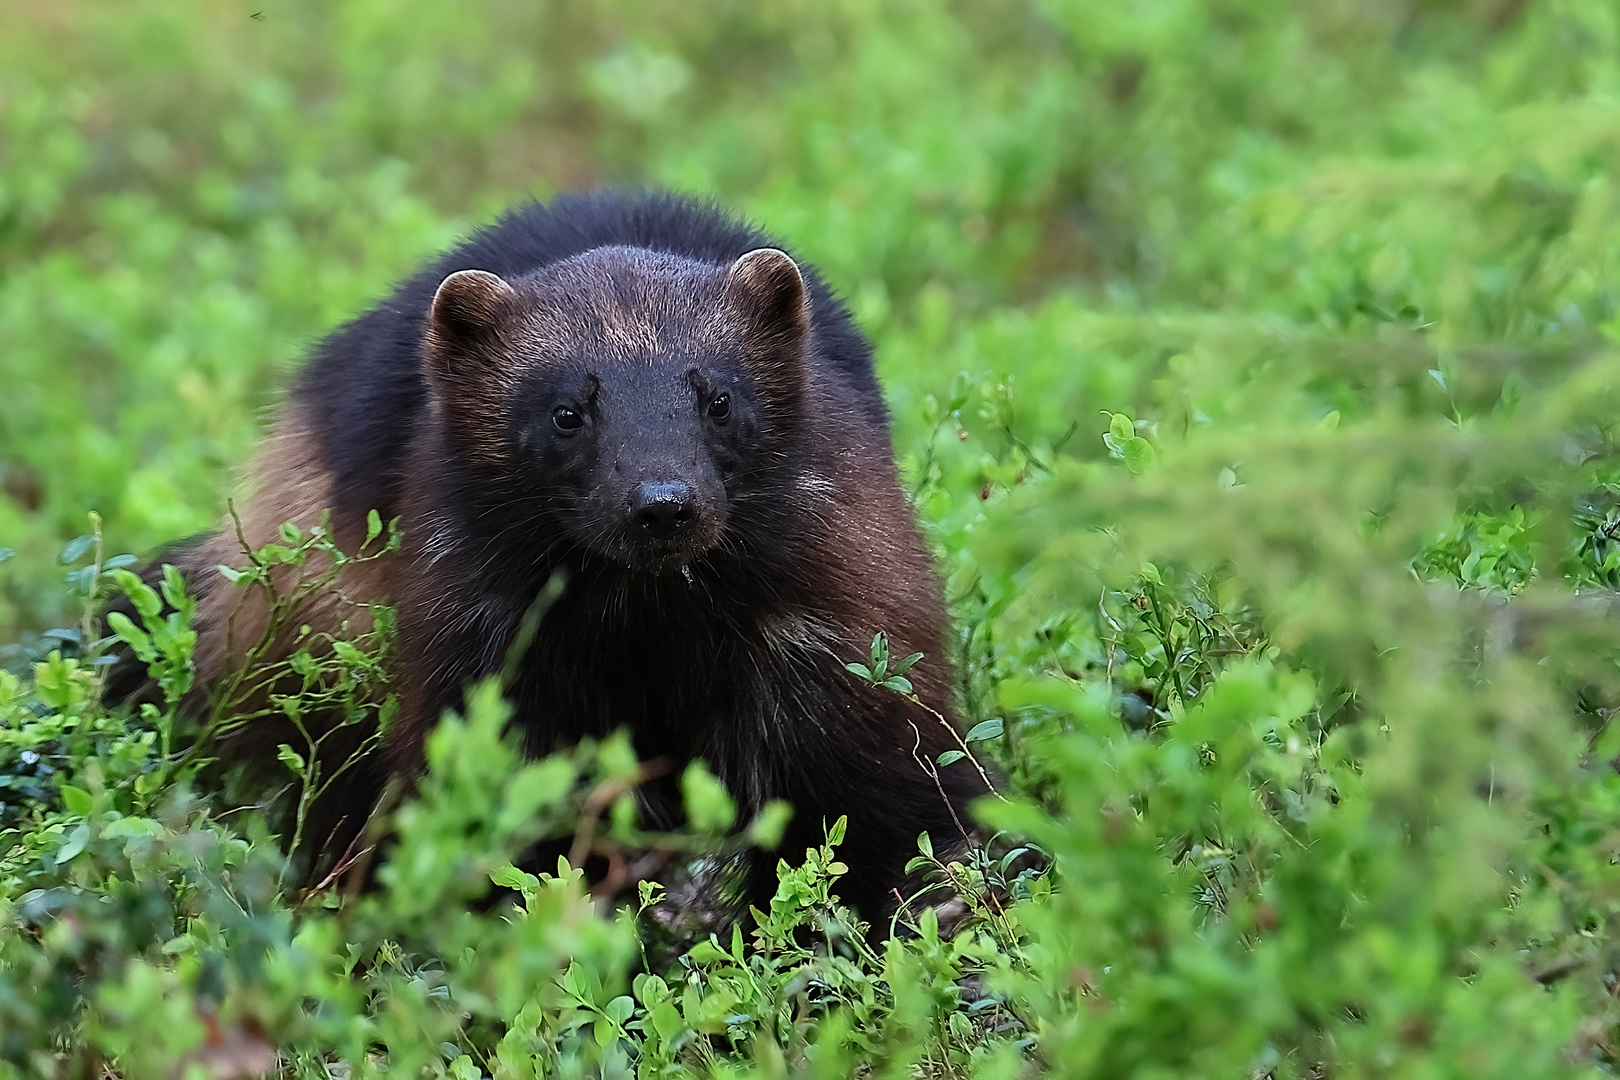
(624, 398)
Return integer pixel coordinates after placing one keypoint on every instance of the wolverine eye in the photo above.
(720, 409)
(566, 420)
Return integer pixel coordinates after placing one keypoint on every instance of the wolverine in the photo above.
(657, 406)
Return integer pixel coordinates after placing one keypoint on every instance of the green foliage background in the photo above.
(1255, 364)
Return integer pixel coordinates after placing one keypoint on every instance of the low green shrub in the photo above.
(1253, 365)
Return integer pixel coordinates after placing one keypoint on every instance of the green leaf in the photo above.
(709, 805)
(174, 588)
(1375, 311)
(835, 835)
(134, 826)
(134, 636)
(60, 682)
(373, 526)
(667, 1021)
(510, 877)
(141, 594)
(274, 554)
(1121, 427)
(769, 824)
(76, 841)
(76, 799)
(291, 758)
(75, 549)
(950, 757)
(1139, 454)
(985, 729)
(708, 951)
(925, 844)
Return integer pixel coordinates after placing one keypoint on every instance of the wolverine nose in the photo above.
(662, 509)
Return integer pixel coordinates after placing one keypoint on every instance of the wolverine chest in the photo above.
(676, 671)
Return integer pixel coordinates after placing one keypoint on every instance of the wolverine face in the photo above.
(631, 396)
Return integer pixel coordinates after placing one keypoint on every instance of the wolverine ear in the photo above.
(772, 290)
(467, 306)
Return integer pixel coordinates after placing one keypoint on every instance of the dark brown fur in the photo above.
(722, 559)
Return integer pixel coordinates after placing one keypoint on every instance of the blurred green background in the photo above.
(1255, 366)
(191, 194)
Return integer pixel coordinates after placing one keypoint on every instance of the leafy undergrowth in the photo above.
(150, 930)
(1253, 366)
(1336, 803)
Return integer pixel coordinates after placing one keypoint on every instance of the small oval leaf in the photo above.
(985, 729)
(76, 841)
(75, 549)
(76, 799)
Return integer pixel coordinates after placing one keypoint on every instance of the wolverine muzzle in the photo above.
(662, 510)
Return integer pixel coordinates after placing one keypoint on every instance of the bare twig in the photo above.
(601, 797)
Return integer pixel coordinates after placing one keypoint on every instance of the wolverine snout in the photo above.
(662, 509)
